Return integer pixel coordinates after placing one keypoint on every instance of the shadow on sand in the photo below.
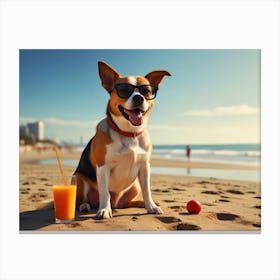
(36, 219)
(39, 218)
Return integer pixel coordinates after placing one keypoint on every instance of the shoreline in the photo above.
(227, 205)
(172, 167)
(35, 157)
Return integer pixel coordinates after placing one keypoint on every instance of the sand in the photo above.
(227, 205)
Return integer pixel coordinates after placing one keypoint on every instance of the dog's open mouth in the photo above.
(135, 116)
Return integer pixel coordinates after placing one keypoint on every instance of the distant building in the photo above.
(23, 131)
(36, 130)
(33, 131)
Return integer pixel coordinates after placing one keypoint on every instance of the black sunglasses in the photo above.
(126, 90)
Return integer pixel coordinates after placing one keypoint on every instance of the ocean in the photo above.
(240, 154)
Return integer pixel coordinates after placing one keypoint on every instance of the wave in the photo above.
(180, 152)
(229, 153)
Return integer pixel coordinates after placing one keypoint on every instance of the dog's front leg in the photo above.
(104, 211)
(144, 179)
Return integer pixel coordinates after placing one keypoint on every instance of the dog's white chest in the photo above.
(124, 158)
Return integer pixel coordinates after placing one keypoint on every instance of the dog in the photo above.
(115, 165)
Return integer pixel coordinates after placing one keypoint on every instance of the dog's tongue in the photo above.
(135, 117)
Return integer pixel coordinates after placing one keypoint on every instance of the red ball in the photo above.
(194, 206)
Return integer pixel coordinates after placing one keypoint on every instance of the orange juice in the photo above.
(64, 202)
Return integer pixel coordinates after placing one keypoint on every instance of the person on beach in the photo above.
(188, 152)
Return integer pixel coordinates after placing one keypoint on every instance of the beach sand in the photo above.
(227, 205)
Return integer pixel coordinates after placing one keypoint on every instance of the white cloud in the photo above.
(60, 122)
(237, 110)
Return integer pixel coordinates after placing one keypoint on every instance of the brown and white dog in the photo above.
(115, 165)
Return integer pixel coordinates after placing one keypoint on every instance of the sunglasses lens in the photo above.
(148, 91)
(124, 90)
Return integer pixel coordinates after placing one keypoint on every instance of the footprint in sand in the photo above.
(44, 179)
(28, 183)
(208, 182)
(169, 200)
(223, 216)
(210, 192)
(177, 208)
(35, 197)
(24, 192)
(234, 191)
(226, 216)
(177, 189)
(25, 189)
(185, 226)
(224, 200)
(257, 225)
(159, 190)
(168, 220)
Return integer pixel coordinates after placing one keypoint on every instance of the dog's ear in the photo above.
(156, 77)
(108, 75)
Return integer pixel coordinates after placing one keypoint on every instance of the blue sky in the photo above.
(213, 96)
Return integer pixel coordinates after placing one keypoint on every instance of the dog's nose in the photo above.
(138, 99)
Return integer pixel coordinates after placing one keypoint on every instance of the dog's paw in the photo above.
(84, 208)
(155, 210)
(104, 213)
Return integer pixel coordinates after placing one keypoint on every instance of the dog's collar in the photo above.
(118, 130)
